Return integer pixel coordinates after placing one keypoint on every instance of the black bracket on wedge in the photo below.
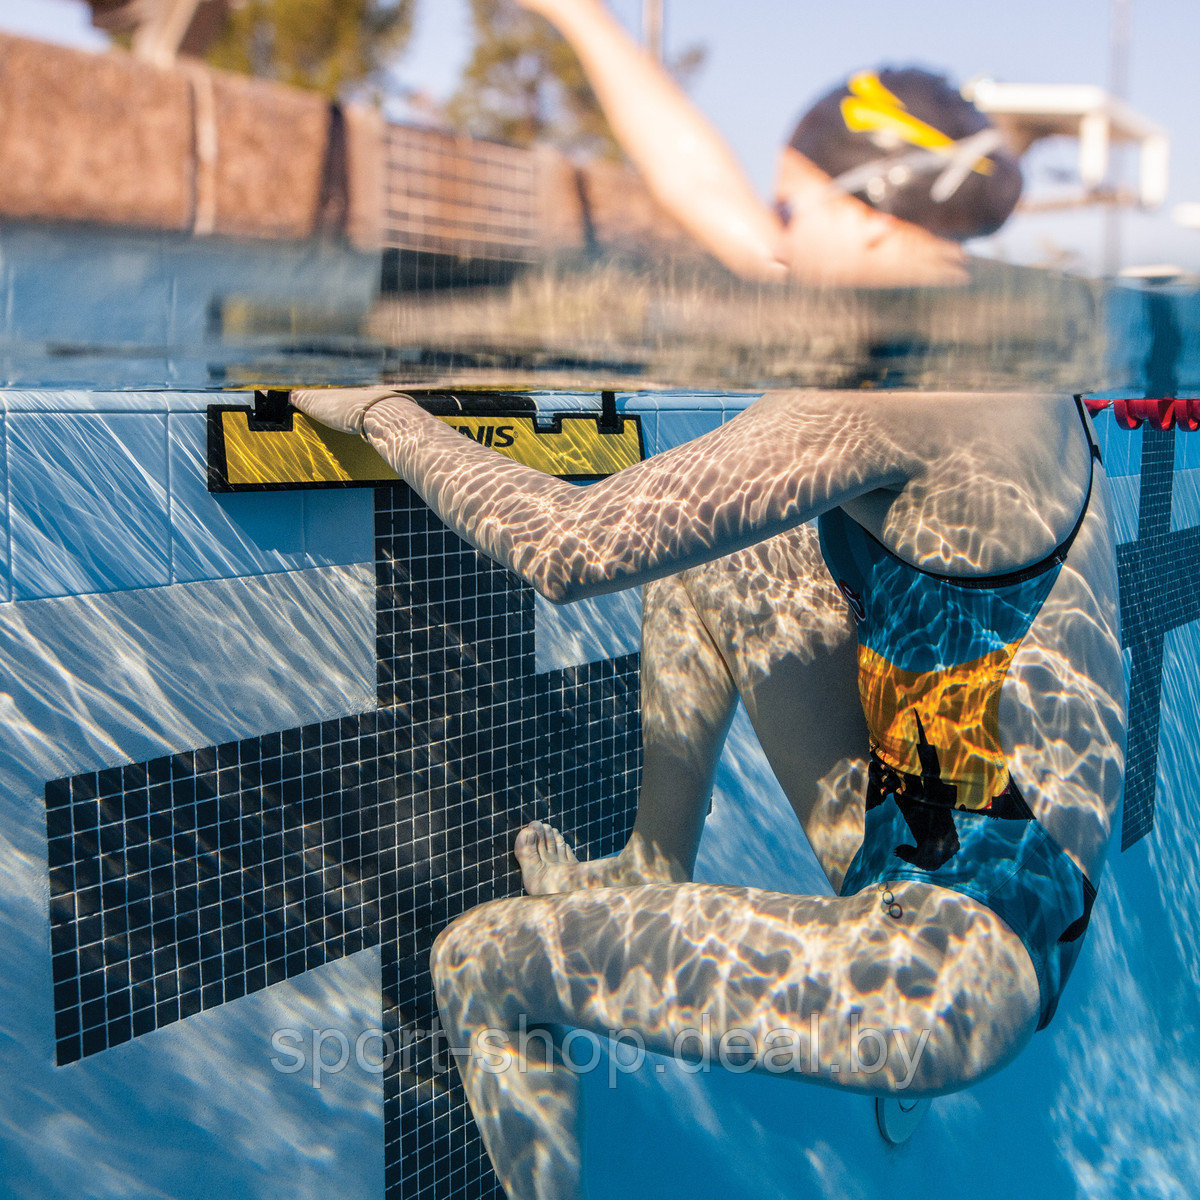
(610, 420)
(272, 411)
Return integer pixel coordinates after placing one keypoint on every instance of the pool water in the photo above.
(263, 746)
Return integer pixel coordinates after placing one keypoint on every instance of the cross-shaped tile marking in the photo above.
(183, 883)
(1158, 593)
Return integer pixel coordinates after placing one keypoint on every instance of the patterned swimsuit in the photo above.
(942, 807)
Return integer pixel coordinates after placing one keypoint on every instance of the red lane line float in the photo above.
(1161, 412)
(1187, 414)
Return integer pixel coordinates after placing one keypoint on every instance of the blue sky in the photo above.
(767, 59)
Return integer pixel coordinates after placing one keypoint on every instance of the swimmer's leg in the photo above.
(687, 703)
(831, 989)
(770, 624)
(786, 635)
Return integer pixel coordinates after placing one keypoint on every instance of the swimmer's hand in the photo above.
(343, 409)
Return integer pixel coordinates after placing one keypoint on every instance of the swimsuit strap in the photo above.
(1081, 408)
(1055, 558)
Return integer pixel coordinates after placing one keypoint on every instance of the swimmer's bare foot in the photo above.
(546, 859)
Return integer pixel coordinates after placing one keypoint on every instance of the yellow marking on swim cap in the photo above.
(868, 86)
(871, 107)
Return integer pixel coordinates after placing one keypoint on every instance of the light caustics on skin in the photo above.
(739, 602)
(766, 624)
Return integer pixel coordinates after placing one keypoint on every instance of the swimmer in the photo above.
(935, 674)
(881, 181)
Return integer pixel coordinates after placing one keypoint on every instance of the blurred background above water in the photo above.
(304, 212)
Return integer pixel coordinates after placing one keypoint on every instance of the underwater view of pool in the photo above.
(265, 739)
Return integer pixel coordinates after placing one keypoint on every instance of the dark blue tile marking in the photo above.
(1157, 576)
(185, 882)
(188, 881)
(1157, 572)
(488, 753)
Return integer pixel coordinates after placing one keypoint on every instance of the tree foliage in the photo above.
(524, 84)
(325, 45)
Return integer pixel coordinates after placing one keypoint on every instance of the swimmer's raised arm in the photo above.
(786, 459)
(829, 239)
(683, 160)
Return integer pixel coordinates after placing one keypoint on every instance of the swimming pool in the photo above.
(263, 745)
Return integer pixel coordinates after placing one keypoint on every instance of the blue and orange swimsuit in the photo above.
(942, 807)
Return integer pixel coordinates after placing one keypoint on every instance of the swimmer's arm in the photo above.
(686, 164)
(786, 459)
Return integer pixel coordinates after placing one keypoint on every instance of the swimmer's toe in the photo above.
(526, 843)
(545, 859)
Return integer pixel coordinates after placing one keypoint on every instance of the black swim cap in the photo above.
(889, 137)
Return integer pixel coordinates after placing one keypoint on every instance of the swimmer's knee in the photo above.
(450, 947)
(950, 1064)
(460, 941)
(964, 1042)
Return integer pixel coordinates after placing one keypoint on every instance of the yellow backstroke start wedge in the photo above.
(273, 447)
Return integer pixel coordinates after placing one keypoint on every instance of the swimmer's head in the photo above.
(907, 143)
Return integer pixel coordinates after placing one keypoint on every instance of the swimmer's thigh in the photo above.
(785, 634)
(945, 987)
(687, 700)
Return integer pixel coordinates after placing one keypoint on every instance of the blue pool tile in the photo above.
(49, 400)
(1187, 450)
(1102, 427)
(635, 404)
(1185, 500)
(1122, 448)
(1124, 489)
(339, 526)
(89, 503)
(738, 403)
(222, 536)
(587, 631)
(678, 426)
(85, 400)
(688, 401)
(5, 574)
(182, 401)
(1179, 754)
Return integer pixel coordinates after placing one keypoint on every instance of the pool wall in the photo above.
(262, 747)
(81, 306)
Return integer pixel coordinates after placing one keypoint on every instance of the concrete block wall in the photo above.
(106, 139)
